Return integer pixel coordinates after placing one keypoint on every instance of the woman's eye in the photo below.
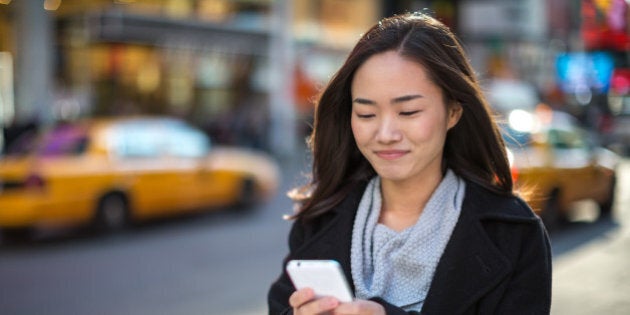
(409, 113)
(365, 116)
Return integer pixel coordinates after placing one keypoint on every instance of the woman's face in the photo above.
(399, 118)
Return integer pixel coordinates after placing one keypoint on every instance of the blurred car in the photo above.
(555, 164)
(109, 172)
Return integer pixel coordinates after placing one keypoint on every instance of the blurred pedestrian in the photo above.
(411, 190)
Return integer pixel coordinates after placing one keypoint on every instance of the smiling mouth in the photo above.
(390, 154)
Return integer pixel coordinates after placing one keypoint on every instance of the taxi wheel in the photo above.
(605, 208)
(551, 215)
(247, 194)
(112, 213)
(16, 235)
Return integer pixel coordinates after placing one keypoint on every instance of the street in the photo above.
(223, 263)
(591, 274)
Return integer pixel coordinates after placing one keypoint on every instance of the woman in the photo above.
(411, 189)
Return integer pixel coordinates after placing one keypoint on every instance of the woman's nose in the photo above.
(388, 131)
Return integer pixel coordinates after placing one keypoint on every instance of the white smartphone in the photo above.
(325, 277)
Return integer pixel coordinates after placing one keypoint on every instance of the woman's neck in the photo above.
(403, 202)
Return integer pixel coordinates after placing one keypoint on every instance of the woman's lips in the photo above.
(390, 154)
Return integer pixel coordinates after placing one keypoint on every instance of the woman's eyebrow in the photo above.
(363, 101)
(406, 98)
(396, 100)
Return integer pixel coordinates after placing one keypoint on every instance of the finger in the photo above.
(319, 306)
(359, 307)
(347, 309)
(301, 296)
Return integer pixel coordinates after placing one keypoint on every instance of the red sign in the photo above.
(620, 81)
(604, 26)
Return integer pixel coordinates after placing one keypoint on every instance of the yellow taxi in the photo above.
(555, 163)
(109, 172)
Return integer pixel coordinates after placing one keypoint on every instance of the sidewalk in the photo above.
(594, 278)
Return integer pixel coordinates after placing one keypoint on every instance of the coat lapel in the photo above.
(470, 266)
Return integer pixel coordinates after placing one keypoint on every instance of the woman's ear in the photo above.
(455, 112)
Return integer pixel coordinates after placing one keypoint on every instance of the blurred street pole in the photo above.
(34, 62)
(7, 106)
(282, 106)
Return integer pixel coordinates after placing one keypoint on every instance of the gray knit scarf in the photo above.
(399, 266)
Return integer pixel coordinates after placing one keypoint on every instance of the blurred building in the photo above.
(201, 60)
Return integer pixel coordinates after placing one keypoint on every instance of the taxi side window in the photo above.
(138, 140)
(184, 141)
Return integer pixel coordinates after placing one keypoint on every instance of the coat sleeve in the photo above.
(282, 288)
(529, 289)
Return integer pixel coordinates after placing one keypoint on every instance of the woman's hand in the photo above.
(359, 307)
(304, 303)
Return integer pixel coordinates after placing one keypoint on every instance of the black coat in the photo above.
(497, 261)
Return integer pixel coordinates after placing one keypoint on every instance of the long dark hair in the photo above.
(474, 148)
